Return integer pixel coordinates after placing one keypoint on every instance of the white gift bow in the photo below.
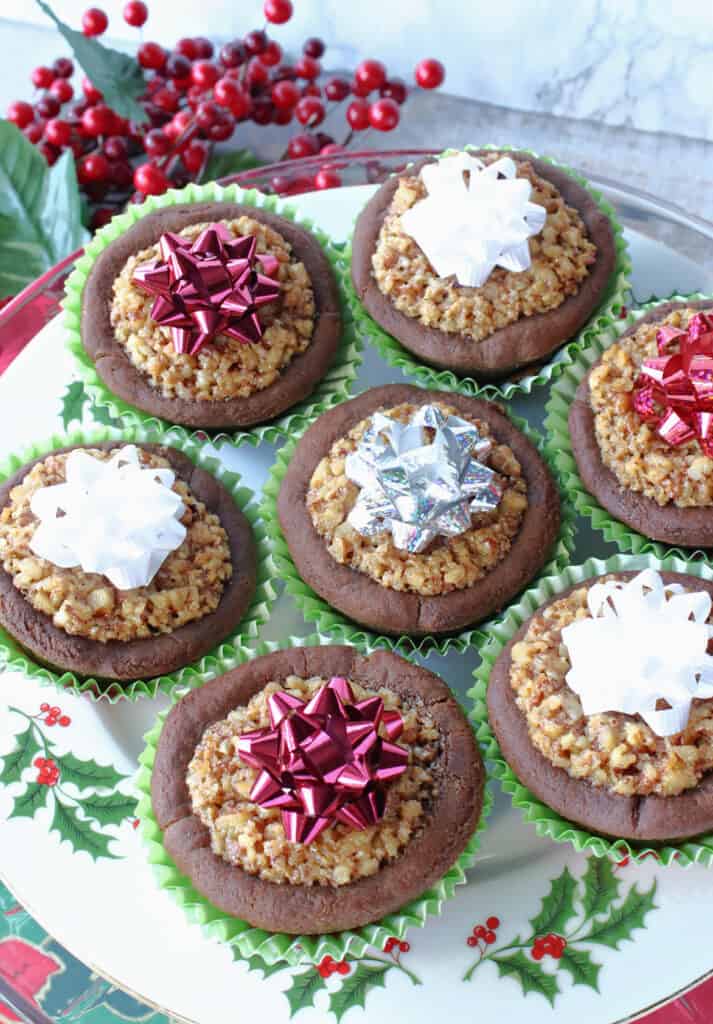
(469, 229)
(114, 517)
(646, 641)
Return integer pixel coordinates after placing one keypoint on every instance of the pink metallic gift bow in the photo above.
(208, 287)
(324, 761)
(680, 382)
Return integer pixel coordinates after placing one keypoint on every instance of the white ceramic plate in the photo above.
(95, 893)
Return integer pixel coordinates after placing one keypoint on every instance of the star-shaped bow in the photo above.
(208, 287)
(324, 761)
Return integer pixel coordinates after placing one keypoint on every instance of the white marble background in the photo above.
(638, 63)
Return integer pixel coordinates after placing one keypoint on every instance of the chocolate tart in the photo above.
(391, 611)
(147, 657)
(687, 526)
(319, 908)
(295, 382)
(525, 341)
(649, 818)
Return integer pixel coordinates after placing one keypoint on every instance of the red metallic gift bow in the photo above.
(680, 382)
(208, 287)
(322, 762)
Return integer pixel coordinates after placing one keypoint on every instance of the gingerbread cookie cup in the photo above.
(307, 364)
(643, 494)
(431, 599)
(34, 641)
(515, 356)
(609, 821)
(283, 920)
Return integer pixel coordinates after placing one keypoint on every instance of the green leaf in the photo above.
(557, 906)
(303, 989)
(25, 805)
(73, 402)
(530, 975)
(257, 964)
(601, 887)
(581, 966)
(101, 414)
(39, 219)
(88, 774)
(623, 920)
(229, 161)
(20, 757)
(80, 834)
(356, 986)
(109, 810)
(117, 75)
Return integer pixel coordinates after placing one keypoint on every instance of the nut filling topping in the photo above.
(188, 586)
(614, 751)
(640, 459)
(224, 368)
(449, 563)
(561, 256)
(253, 838)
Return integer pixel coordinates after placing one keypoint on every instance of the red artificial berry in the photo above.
(150, 180)
(313, 47)
(62, 90)
(302, 145)
(357, 89)
(121, 175)
(255, 42)
(271, 55)
(223, 127)
(98, 120)
(55, 711)
(94, 167)
(490, 937)
(180, 123)
(63, 67)
(472, 941)
(256, 74)
(116, 148)
(207, 114)
(39, 762)
(479, 932)
(277, 11)
(389, 945)
(91, 93)
(370, 74)
(232, 55)
(225, 92)
(358, 115)
(58, 132)
(178, 66)
(44, 707)
(48, 106)
(156, 143)
(493, 923)
(136, 13)
(204, 47)
(310, 111)
(241, 105)
(42, 77)
(285, 95)
(337, 89)
(285, 71)
(311, 89)
(429, 73)
(167, 100)
(262, 111)
(384, 115)
(64, 721)
(327, 178)
(394, 89)
(308, 67)
(537, 952)
(343, 967)
(94, 22)
(187, 47)
(281, 116)
(101, 216)
(204, 73)
(152, 56)
(405, 947)
(193, 159)
(324, 971)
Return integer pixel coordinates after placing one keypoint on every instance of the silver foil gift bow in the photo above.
(418, 490)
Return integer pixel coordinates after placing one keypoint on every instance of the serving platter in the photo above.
(74, 858)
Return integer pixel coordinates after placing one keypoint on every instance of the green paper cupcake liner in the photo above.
(559, 444)
(217, 661)
(341, 629)
(273, 947)
(396, 355)
(334, 387)
(546, 821)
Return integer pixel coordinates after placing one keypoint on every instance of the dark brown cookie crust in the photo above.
(295, 383)
(390, 611)
(318, 909)
(647, 818)
(527, 340)
(690, 527)
(152, 656)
